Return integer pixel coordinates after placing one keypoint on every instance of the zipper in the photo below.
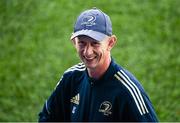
(91, 84)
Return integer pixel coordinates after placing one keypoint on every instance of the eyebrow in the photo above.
(86, 38)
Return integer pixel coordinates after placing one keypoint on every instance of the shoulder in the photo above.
(126, 78)
(75, 68)
(128, 81)
(71, 73)
(75, 71)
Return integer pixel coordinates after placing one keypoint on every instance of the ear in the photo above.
(74, 41)
(112, 42)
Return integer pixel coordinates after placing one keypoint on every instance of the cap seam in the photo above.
(105, 21)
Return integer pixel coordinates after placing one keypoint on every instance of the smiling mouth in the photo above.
(89, 59)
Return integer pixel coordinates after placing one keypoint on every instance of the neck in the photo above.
(99, 70)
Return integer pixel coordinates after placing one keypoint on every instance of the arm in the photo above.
(144, 113)
(137, 107)
(56, 107)
(49, 110)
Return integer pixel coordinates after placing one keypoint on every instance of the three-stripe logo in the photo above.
(134, 91)
(78, 67)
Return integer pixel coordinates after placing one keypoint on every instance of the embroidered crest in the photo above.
(89, 20)
(105, 108)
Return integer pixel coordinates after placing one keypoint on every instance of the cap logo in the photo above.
(89, 20)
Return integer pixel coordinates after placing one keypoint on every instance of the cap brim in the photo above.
(93, 34)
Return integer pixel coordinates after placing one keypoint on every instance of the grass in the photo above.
(35, 50)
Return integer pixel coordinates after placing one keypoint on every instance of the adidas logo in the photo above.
(75, 99)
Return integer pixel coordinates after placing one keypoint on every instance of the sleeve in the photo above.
(55, 108)
(140, 110)
(138, 107)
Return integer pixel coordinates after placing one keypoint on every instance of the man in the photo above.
(97, 89)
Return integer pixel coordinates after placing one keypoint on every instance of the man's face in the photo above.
(92, 53)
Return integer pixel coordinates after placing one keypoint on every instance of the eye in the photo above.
(96, 44)
(81, 43)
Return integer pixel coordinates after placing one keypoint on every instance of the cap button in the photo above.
(94, 8)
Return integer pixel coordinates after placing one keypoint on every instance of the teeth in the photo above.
(89, 58)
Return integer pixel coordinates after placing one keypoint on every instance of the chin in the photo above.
(90, 66)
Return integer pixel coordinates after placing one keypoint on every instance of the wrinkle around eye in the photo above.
(81, 43)
(95, 44)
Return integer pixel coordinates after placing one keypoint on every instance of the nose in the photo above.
(88, 51)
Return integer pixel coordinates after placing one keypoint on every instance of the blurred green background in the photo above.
(35, 50)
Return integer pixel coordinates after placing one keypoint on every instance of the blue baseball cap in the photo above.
(93, 23)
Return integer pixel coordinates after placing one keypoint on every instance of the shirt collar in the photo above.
(106, 76)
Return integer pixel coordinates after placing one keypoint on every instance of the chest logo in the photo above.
(105, 108)
(75, 99)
